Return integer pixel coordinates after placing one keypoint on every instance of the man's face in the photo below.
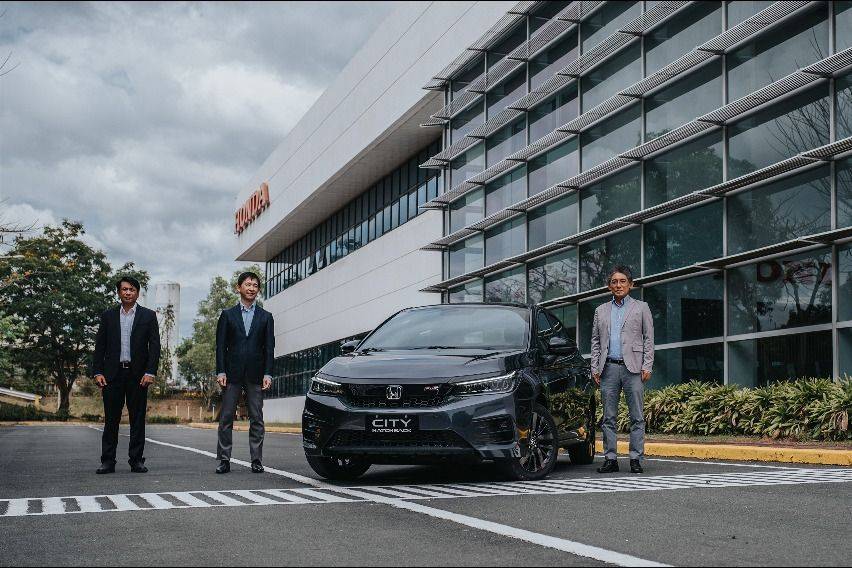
(619, 285)
(127, 293)
(249, 289)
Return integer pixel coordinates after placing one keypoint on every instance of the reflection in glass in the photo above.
(793, 207)
(468, 164)
(781, 293)
(505, 191)
(678, 35)
(506, 93)
(553, 59)
(509, 286)
(553, 277)
(843, 23)
(467, 256)
(686, 310)
(557, 111)
(608, 20)
(684, 238)
(467, 120)
(505, 240)
(509, 43)
(844, 283)
(796, 43)
(568, 316)
(843, 111)
(468, 75)
(467, 210)
(617, 73)
(553, 167)
(758, 362)
(696, 94)
(611, 137)
(506, 141)
(598, 257)
(551, 222)
(741, 10)
(844, 337)
(844, 193)
(705, 363)
(614, 197)
(693, 166)
(470, 292)
(794, 125)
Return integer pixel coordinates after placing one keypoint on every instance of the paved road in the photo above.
(55, 511)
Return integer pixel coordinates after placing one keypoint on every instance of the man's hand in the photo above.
(646, 375)
(222, 380)
(597, 378)
(100, 380)
(267, 383)
(147, 380)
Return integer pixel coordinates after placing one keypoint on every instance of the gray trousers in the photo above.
(254, 400)
(614, 379)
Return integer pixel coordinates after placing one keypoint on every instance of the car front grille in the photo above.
(420, 439)
(412, 396)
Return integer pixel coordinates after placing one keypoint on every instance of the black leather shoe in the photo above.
(635, 466)
(106, 468)
(138, 468)
(609, 466)
(256, 467)
(224, 467)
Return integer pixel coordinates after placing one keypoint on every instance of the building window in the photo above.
(467, 210)
(553, 277)
(470, 292)
(609, 19)
(758, 362)
(794, 125)
(509, 286)
(556, 111)
(677, 36)
(553, 167)
(614, 197)
(844, 283)
(506, 240)
(467, 120)
(782, 293)
(466, 256)
(598, 257)
(506, 141)
(611, 137)
(470, 74)
(705, 363)
(843, 110)
(741, 10)
(683, 238)
(796, 43)
(615, 74)
(553, 59)
(506, 93)
(793, 207)
(508, 43)
(505, 191)
(693, 166)
(843, 23)
(468, 164)
(568, 316)
(551, 222)
(696, 94)
(687, 310)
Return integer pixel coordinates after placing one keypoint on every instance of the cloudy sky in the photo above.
(143, 120)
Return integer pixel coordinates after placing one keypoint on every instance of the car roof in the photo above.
(474, 304)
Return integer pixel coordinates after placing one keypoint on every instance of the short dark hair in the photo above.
(130, 280)
(623, 270)
(245, 276)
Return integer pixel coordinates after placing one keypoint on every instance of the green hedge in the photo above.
(157, 419)
(806, 409)
(15, 413)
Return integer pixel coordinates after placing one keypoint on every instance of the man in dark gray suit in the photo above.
(622, 359)
(245, 347)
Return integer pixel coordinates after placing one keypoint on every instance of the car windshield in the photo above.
(490, 328)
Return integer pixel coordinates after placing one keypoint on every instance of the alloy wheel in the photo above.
(541, 447)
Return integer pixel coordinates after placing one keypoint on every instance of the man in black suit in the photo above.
(245, 347)
(127, 354)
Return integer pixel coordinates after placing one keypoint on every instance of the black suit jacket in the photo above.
(144, 344)
(245, 358)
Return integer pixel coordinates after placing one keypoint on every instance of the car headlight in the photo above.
(326, 387)
(492, 385)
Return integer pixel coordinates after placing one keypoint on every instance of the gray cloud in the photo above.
(143, 120)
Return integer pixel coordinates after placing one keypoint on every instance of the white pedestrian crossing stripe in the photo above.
(316, 496)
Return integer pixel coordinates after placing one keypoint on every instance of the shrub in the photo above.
(157, 419)
(15, 413)
(92, 418)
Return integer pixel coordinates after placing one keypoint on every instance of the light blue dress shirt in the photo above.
(616, 322)
(248, 316)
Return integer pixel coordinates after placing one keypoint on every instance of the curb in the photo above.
(742, 453)
(244, 428)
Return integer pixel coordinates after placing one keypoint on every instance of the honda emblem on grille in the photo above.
(394, 392)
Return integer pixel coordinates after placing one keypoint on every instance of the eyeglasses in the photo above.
(623, 282)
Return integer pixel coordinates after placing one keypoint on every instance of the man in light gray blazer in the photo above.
(622, 358)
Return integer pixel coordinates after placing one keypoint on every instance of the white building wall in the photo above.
(359, 291)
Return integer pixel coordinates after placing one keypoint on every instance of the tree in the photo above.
(64, 287)
(164, 373)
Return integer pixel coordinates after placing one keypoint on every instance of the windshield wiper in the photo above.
(439, 347)
(371, 350)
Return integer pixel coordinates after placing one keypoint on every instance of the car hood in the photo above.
(415, 366)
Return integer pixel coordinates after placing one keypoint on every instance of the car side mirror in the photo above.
(560, 346)
(349, 346)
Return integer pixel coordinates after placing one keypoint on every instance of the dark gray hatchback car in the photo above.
(454, 382)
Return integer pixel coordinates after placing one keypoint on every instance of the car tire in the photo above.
(532, 466)
(338, 469)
